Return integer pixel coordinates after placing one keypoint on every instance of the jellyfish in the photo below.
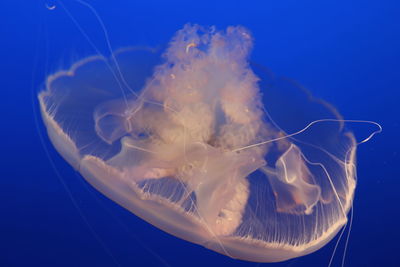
(206, 145)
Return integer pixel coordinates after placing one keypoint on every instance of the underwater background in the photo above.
(345, 52)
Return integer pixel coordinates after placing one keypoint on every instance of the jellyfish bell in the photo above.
(196, 143)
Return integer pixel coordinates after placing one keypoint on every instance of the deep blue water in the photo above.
(346, 52)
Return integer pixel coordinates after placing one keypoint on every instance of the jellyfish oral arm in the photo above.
(292, 183)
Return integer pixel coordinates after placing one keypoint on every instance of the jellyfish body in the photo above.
(184, 143)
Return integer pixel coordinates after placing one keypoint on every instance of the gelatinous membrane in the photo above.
(184, 141)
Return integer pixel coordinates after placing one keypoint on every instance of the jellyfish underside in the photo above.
(174, 140)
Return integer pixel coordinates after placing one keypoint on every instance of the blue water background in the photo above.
(346, 52)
